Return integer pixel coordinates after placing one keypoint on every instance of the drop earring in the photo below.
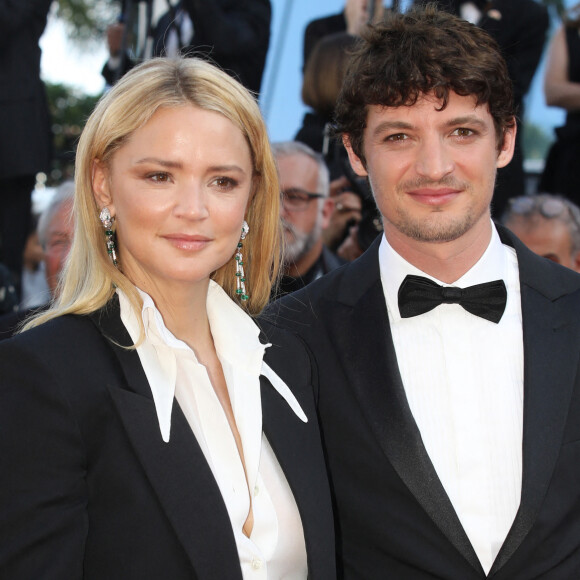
(107, 221)
(240, 276)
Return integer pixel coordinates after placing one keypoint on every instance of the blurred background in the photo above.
(74, 51)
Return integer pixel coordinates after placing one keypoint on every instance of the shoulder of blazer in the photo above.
(346, 284)
(74, 346)
(545, 276)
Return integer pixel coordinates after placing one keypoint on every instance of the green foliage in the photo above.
(69, 109)
(86, 21)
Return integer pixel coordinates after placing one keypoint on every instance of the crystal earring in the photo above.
(240, 276)
(107, 221)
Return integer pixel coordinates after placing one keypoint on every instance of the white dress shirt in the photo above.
(276, 547)
(463, 378)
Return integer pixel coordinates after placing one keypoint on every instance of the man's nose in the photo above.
(434, 159)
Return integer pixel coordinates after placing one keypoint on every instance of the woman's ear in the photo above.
(101, 189)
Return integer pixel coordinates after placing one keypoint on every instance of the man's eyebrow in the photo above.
(387, 126)
(466, 120)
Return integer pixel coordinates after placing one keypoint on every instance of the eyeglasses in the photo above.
(295, 199)
(547, 207)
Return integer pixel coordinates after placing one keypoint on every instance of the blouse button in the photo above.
(256, 563)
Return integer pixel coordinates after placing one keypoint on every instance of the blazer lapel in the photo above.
(551, 320)
(295, 445)
(373, 374)
(177, 470)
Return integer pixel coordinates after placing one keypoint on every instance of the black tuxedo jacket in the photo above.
(394, 519)
(88, 489)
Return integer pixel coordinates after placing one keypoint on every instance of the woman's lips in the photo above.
(188, 242)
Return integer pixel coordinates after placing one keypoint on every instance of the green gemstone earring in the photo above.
(107, 221)
(240, 276)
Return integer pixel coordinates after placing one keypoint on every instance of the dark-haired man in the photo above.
(448, 367)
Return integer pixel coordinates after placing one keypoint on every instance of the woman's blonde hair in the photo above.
(89, 277)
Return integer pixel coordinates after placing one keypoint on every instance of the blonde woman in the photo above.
(149, 429)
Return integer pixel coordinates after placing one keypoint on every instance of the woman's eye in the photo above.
(225, 182)
(158, 177)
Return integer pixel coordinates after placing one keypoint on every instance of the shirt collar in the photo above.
(236, 339)
(394, 268)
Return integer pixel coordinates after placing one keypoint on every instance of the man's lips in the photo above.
(434, 196)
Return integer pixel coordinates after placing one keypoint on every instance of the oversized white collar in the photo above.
(236, 339)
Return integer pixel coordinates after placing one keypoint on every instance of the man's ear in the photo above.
(506, 151)
(327, 209)
(355, 161)
(101, 189)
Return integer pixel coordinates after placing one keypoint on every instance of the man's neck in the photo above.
(446, 261)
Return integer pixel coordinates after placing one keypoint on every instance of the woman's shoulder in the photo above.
(67, 329)
(64, 345)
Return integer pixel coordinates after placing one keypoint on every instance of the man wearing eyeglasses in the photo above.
(305, 213)
(547, 224)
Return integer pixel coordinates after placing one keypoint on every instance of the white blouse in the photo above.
(276, 547)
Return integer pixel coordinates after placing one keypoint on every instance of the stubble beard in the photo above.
(438, 226)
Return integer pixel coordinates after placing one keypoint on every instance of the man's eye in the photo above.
(463, 132)
(397, 137)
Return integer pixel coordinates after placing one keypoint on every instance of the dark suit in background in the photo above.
(93, 491)
(234, 34)
(320, 27)
(394, 519)
(25, 145)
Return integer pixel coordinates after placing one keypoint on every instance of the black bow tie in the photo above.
(418, 295)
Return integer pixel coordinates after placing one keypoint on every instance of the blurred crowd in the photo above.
(328, 213)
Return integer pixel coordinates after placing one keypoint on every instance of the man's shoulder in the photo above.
(343, 284)
(544, 275)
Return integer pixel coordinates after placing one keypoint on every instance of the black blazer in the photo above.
(88, 489)
(394, 519)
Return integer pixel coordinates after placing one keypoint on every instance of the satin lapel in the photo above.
(296, 446)
(176, 470)
(372, 371)
(551, 321)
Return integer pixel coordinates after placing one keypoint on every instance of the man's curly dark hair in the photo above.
(423, 51)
